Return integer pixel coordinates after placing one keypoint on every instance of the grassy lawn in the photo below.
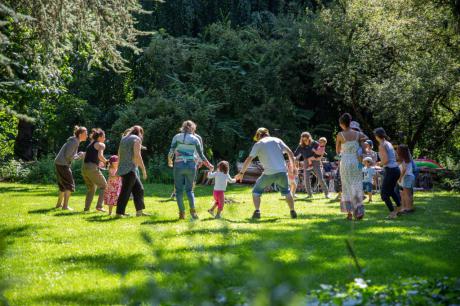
(55, 257)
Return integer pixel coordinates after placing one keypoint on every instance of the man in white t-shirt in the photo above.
(270, 151)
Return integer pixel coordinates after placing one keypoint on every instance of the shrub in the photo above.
(14, 171)
(414, 291)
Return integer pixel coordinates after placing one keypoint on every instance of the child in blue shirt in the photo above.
(368, 179)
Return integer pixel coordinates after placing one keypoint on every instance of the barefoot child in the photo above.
(113, 189)
(221, 178)
(369, 173)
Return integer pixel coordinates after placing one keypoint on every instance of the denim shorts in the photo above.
(408, 182)
(266, 180)
(367, 186)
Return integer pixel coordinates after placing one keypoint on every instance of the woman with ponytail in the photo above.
(91, 172)
(63, 161)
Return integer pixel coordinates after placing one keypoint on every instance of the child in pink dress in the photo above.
(112, 191)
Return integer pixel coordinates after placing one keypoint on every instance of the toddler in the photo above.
(221, 178)
(319, 151)
(112, 191)
(369, 173)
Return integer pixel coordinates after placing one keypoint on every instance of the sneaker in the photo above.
(218, 216)
(142, 214)
(293, 214)
(327, 196)
(193, 214)
(120, 216)
(211, 212)
(101, 209)
(256, 214)
(67, 208)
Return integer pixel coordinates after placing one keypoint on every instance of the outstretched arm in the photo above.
(246, 164)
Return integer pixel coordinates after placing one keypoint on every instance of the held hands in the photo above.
(239, 177)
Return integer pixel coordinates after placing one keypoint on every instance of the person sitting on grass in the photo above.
(112, 191)
(369, 173)
(62, 163)
(221, 178)
(406, 179)
(270, 152)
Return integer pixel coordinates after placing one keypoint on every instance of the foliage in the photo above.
(14, 171)
(393, 63)
(413, 291)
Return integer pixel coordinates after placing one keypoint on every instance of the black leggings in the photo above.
(130, 183)
(390, 179)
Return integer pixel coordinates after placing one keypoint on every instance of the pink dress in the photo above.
(112, 191)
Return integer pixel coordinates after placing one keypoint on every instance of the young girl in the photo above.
(113, 189)
(406, 179)
(221, 178)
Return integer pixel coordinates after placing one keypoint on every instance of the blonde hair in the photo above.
(323, 139)
(188, 126)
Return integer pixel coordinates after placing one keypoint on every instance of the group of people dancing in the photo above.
(186, 156)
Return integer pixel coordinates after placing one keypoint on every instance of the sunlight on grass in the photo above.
(54, 257)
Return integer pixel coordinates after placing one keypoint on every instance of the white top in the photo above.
(270, 152)
(220, 180)
(409, 170)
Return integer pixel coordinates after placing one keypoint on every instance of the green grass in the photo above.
(56, 257)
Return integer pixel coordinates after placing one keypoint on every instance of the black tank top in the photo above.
(91, 155)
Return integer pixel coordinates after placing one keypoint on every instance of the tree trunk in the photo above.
(23, 144)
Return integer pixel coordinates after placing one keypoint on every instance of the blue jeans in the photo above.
(266, 180)
(184, 176)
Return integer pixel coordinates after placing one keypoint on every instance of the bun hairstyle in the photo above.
(345, 120)
(134, 130)
(78, 130)
(96, 133)
(223, 166)
(188, 127)
(380, 132)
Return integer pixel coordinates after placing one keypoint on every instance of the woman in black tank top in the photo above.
(91, 155)
(90, 171)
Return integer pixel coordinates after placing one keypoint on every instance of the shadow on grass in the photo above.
(42, 211)
(101, 218)
(155, 221)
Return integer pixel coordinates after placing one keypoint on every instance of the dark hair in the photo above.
(345, 119)
(223, 166)
(78, 130)
(380, 132)
(96, 133)
(404, 153)
(134, 130)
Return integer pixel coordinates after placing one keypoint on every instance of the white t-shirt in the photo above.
(220, 180)
(270, 152)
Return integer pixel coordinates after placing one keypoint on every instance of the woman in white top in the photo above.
(347, 145)
(221, 178)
